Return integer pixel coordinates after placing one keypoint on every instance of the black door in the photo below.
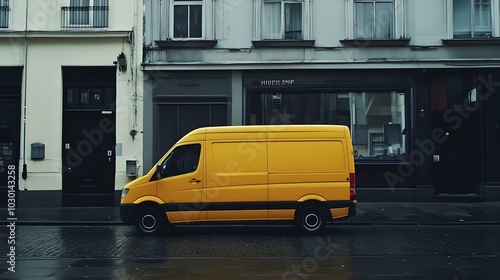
(456, 161)
(10, 133)
(9, 149)
(88, 158)
(88, 146)
(493, 131)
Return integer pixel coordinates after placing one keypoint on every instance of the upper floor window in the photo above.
(187, 19)
(86, 14)
(472, 19)
(377, 19)
(4, 13)
(374, 19)
(282, 19)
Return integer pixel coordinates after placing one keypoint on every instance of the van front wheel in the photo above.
(150, 221)
(310, 219)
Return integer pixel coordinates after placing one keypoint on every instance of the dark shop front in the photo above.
(418, 135)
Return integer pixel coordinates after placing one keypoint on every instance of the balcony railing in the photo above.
(85, 17)
(4, 16)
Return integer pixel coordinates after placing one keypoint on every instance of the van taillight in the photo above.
(352, 183)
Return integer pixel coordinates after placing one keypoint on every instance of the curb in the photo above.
(416, 223)
(380, 223)
(64, 223)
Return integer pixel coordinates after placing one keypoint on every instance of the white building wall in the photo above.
(328, 23)
(49, 48)
(425, 22)
(44, 104)
(231, 23)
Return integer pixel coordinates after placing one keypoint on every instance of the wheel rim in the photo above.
(148, 222)
(312, 221)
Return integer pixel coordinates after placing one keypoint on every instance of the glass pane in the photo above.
(272, 20)
(97, 98)
(100, 3)
(384, 20)
(79, 3)
(372, 117)
(182, 160)
(4, 13)
(195, 21)
(72, 98)
(181, 21)
(293, 21)
(379, 116)
(85, 98)
(462, 19)
(79, 12)
(364, 20)
(100, 13)
(482, 18)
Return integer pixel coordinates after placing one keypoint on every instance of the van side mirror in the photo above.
(158, 172)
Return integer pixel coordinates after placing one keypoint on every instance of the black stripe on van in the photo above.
(217, 206)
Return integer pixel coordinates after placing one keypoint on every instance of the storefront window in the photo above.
(376, 119)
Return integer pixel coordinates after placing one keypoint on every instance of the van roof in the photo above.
(275, 128)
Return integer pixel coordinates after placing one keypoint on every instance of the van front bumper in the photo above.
(127, 213)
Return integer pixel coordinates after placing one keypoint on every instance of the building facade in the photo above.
(417, 82)
(70, 97)
(93, 92)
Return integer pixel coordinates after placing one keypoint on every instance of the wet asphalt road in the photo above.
(255, 252)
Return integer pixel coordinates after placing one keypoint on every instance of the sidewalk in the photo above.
(368, 213)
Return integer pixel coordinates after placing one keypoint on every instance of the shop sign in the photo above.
(277, 82)
(188, 85)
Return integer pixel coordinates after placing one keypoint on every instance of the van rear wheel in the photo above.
(151, 221)
(310, 219)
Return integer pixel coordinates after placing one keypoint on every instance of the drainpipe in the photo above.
(24, 173)
(133, 73)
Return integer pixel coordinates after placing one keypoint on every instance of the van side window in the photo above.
(182, 160)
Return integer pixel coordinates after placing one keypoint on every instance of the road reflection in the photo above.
(246, 252)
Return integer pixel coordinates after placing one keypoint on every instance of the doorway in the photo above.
(89, 138)
(9, 148)
(10, 132)
(456, 161)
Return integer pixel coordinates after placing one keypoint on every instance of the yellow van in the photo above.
(299, 173)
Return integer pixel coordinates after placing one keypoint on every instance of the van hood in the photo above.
(139, 181)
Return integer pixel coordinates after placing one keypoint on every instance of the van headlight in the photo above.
(124, 192)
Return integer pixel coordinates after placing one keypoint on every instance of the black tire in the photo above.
(151, 221)
(310, 219)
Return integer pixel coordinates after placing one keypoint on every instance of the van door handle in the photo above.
(194, 181)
